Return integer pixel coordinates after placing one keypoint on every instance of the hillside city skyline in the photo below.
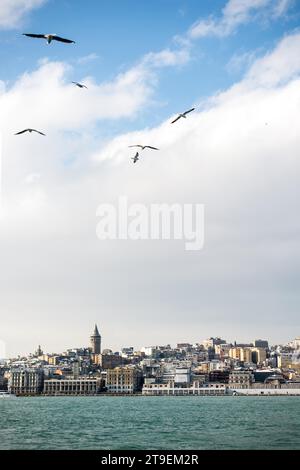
(106, 346)
(212, 367)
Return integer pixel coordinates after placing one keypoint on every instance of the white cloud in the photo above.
(32, 178)
(279, 66)
(236, 13)
(50, 85)
(246, 174)
(241, 62)
(167, 58)
(87, 58)
(281, 7)
(13, 11)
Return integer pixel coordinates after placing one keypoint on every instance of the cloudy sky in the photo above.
(238, 63)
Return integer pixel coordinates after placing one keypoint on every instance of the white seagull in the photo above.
(143, 147)
(183, 115)
(49, 37)
(29, 130)
(80, 85)
(135, 158)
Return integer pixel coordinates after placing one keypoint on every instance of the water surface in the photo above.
(150, 423)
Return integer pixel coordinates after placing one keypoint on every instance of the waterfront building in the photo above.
(124, 380)
(268, 390)
(221, 376)
(260, 375)
(275, 381)
(240, 379)
(197, 388)
(26, 381)
(76, 386)
(3, 381)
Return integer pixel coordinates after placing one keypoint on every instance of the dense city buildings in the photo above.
(209, 367)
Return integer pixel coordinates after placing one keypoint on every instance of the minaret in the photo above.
(96, 341)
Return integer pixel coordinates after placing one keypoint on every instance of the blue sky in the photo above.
(121, 32)
(238, 62)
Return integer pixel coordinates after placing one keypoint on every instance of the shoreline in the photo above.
(119, 395)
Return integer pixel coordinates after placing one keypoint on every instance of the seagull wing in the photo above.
(189, 111)
(152, 148)
(21, 132)
(40, 36)
(135, 158)
(131, 146)
(39, 132)
(58, 38)
(80, 85)
(178, 117)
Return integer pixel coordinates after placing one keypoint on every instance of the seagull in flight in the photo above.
(143, 147)
(49, 37)
(29, 130)
(135, 158)
(183, 115)
(80, 85)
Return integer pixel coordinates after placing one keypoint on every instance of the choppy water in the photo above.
(150, 423)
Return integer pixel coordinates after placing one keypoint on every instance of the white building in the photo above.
(170, 389)
(80, 386)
